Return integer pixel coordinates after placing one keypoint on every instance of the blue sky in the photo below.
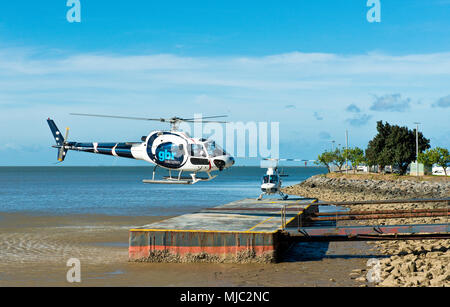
(318, 67)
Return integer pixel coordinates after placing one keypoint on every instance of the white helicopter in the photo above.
(271, 181)
(172, 150)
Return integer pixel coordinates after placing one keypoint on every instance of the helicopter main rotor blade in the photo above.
(205, 121)
(120, 117)
(290, 160)
(204, 117)
(169, 120)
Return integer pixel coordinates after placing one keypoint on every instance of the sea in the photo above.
(119, 191)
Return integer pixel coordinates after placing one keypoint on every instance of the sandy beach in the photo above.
(34, 251)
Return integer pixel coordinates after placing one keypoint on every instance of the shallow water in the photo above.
(120, 191)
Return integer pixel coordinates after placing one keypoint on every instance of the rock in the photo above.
(411, 267)
(413, 282)
(436, 283)
(390, 281)
(396, 272)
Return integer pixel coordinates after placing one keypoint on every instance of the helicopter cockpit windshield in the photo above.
(213, 149)
(270, 179)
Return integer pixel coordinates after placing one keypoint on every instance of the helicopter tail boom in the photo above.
(112, 149)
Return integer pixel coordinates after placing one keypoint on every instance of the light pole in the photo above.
(417, 148)
(346, 153)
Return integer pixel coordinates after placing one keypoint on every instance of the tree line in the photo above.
(392, 145)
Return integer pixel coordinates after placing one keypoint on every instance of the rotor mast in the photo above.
(175, 124)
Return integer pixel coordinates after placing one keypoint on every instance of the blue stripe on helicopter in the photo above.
(104, 151)
(87, 147)
(105, 148)
(106, 145)
(123, 150)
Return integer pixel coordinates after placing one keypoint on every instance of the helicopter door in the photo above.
(198, 155)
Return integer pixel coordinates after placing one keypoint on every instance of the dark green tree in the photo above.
(377, 145)
(394, 145)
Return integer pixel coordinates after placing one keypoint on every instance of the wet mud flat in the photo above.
(34, 251)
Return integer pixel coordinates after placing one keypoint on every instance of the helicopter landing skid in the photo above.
(283, 196)
(179, 179)
(166, 181)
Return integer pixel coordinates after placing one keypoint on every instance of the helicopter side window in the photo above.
(178, 150)
(197, 150)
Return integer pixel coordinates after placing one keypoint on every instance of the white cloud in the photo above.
(34, 85)
(284, 71)
(28, 78)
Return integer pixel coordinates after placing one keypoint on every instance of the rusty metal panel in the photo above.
(378, 216)
(370, 230)
(142, 243)
(366, 212)
(387, 201)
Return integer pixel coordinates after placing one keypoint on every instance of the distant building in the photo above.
(362, 169)
(414, 166)
(439, 170)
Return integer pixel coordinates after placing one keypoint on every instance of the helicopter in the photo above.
(172, 150)
(271, 181)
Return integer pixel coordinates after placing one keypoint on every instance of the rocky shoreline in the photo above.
(405, 263)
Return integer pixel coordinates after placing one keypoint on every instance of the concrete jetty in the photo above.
(246, 230)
